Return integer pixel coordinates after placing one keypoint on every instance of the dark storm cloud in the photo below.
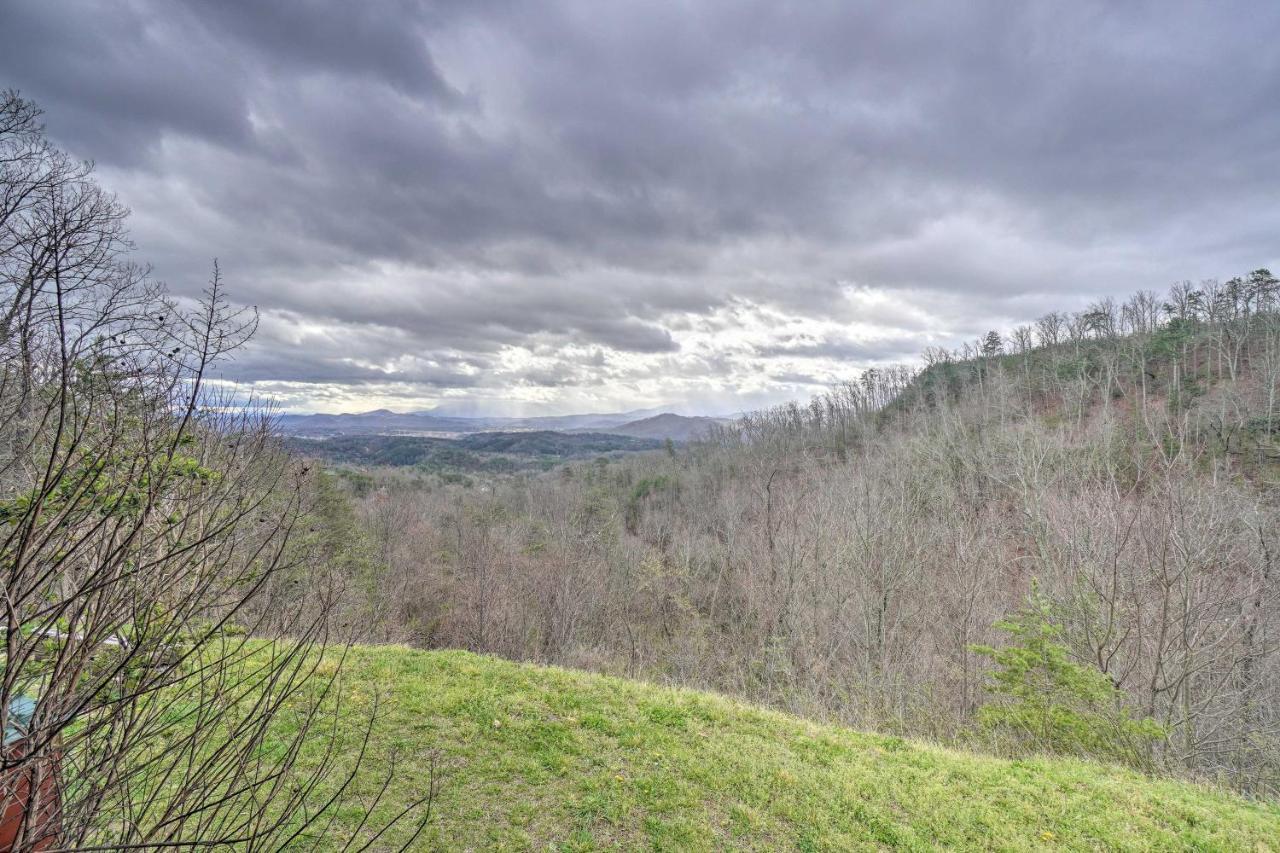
(479, 196)
(382, 40)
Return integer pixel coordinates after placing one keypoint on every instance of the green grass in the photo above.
(536, 758)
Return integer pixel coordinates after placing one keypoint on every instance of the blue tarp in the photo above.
(21, 710)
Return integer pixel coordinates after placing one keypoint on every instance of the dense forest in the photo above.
(487, 452)
(1062, 538)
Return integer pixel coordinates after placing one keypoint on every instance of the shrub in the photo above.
(1041, 700)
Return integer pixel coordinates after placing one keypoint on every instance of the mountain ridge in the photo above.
(638, 423)
(667, 425)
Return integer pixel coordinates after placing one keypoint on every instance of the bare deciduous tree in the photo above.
(162, 619)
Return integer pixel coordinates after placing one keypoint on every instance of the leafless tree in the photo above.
(161, 614)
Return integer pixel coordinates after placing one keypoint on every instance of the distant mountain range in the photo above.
(653, 424)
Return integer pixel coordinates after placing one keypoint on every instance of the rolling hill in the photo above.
(679, 428)
(379, 422)
(557, 444)
(479, 451)
(535, 758)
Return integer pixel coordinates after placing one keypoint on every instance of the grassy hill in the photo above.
(543, 758)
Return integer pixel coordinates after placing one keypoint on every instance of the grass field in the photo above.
(533, 758)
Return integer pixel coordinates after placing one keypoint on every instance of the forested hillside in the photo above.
(486, 452)
(1061, 539)
(669, 427)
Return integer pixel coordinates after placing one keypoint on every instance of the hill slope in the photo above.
(532, 758)
(666, 425)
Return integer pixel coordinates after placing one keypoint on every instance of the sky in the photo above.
(525, 208)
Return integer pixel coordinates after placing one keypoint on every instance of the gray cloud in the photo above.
(585, 204)
(841, 349)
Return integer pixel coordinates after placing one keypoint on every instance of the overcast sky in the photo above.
(547, 207)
